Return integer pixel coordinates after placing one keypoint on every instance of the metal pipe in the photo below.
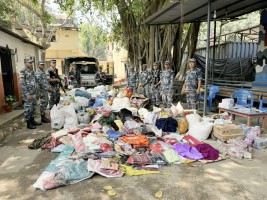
(214, 43)
(207, 59)
(156, 45)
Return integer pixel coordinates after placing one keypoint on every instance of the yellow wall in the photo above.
(66, 45)
(119, 56)
(104, 65)
(65, 40)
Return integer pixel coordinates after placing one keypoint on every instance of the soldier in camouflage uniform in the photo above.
(132, 79)
(192, 84)
(54, 81)
(28, 86)
(100, 77)
(155, 85)
(43, 87)
(144, 81)
(166, 78)
(74, 76)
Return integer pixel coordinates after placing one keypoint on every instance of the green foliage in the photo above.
(10, 99)
(6, 13)
(93, 40)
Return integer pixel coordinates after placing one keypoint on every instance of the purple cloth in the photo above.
(187, 151)
(208, 152)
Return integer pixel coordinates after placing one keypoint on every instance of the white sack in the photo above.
(71, 117)
(192, 119)
(57, 118)
(201, 130)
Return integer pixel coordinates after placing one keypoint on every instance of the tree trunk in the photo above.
(151, 46)
(191, 43)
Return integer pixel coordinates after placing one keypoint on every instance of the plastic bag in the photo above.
(128, 93)
(57, 118)
(150, 118)
(193, 118)
(182, 125)
(158, 147)
(177, 110)
(83, 117)
(82, 93)
(82, 101)
(78, 143)
(72, 172)
(71, 117)
(154, 129)
(44, 179)
(187, 151)
(131, 124)
(200, 130)
(98, 102)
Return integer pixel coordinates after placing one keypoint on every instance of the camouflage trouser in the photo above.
(145, 91)
(133, 88)
(29, 107)
(43, 101)
(54, 96)
(155, 95)
(192, 100)
(167, 97)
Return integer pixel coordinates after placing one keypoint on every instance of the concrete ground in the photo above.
(228, 179)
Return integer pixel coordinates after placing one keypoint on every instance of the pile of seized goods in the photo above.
(109, 132)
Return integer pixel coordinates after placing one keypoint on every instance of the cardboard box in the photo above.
(228, 101)
(224, 105)
(225, 132)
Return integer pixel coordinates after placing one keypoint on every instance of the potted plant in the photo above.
(9, 102)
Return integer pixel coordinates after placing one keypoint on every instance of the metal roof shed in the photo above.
(189, 11)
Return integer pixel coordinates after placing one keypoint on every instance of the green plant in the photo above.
(10, 99)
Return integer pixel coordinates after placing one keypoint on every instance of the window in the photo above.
(88, 69)
(53, 38)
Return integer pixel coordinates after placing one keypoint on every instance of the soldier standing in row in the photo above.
(166, 78)
(132, 79)
(100, 77)
(73, 75)
(144, 80)
(192, 84)
(155, 85)
(43, 88)
(28, 86)
(54, 81)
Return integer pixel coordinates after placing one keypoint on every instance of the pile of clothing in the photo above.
(103, 134)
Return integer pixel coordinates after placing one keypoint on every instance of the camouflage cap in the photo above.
(41, 62)
(192, 60)
(167, 62)
(28, 60)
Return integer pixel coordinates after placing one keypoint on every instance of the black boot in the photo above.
(44, 119)
(35, 123)
(30, 125)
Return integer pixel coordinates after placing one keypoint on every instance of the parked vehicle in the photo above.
(88, 67)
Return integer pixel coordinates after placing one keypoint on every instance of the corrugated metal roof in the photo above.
(196, 10)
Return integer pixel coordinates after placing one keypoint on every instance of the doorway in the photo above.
(7, 71)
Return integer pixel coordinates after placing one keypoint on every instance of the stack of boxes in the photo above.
(227, 103)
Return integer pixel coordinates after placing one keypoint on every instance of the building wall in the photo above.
(66, 40)
(261, 68)
(119, 56)
(65, 45)
(22, 50)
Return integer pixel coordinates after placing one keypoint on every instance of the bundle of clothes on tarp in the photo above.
(101, 132)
